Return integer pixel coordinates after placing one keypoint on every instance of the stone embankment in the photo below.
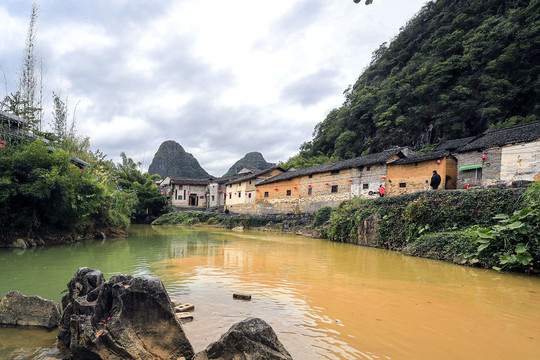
(300, 224)
(131, 318)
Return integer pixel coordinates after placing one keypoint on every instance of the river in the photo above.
(325, 300)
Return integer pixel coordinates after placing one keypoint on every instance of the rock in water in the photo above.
(252, 338)
(17, 309)
(83, 282)
(124, 318)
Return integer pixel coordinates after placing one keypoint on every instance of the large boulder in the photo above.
(83, 282)
(124, 318)
(18, 309)
(249, 339)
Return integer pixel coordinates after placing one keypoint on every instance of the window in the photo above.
(249, 182)
(368, 168)
(180, 197)
(288, 192)
(184, 194)
(402, 185)
(334, 172)
(230, 195)
(334, 188)
(201, 197)
(180, 187)
(365, 186)
(310, 176)
(176, 194)
(361, 168)
(239, 194)
(249, 195)
(471, 174)
(309, 191)
(266, 194)
(213, 198)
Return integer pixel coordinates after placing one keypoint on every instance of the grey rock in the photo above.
(124, 318)
(18, 309)
(249, 339)
(85, 281)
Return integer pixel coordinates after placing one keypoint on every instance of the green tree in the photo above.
(150, 202)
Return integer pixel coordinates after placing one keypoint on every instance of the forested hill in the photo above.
(171, 160)
(252, 160)
(456, 69)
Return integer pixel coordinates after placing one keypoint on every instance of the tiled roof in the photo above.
(4, 116)
(454, 144)
(186, 181)
(253, 175)
(371, 159)
(422, 157)
(506, 136)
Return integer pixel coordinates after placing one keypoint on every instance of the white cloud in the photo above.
(221, 78)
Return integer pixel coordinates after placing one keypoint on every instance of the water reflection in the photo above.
(325, 300)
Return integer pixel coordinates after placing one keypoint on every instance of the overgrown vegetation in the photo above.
(515, 240)
(456, 69)
(190, 218)
(488, 227)
(42, 191)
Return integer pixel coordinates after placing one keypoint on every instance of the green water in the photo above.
(325, 300)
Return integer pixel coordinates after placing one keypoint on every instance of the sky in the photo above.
(220, 77)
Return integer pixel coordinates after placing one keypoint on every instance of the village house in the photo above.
(11, 126)
(309, 189)
(240, 191)
(164, 187)
(501, 156)
(217, 190)
(412, 174)
(189, 192)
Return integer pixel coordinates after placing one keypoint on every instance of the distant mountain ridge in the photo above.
(252, 160)
(171, 160)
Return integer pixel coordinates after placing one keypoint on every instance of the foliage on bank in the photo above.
(41, 191)
(487, 227)
(190, 218)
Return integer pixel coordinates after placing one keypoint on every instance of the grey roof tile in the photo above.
(506, 136)
(371, 159)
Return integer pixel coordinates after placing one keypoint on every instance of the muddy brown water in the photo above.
(325, 300)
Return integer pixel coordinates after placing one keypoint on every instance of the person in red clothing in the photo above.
(382, 190)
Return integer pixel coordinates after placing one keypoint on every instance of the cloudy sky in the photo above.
(220, 77)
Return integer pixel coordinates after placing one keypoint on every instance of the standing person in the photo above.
(382, 190)
(435, 180)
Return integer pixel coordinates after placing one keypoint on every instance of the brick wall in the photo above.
(301, 199)
(417, 176)
(490, 172)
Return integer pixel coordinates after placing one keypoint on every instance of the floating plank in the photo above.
(242, 296)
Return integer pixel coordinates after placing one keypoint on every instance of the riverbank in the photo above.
(489, 228)
(24, 240)
(300, 224)
(459, 226)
